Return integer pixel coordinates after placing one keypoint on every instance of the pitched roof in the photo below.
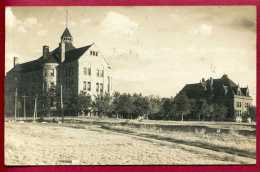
(220, 87)
(54, 57)
(75, 54)
(66, 33)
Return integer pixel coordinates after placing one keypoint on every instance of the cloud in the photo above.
(244, 23)
(85, 20)
(117, 23)
(21, 26)
(42, 32)
(202, 29)
(21, 29)
(30, 21)
(11, 20)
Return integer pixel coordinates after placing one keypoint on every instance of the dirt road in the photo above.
(52, 144)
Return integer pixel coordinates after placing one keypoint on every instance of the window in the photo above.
(239, 104)
(97, 73)
(89, 86)
(85, 71)
(101, 87)
(89, 71)
(102, 73)
(97, 86)
(84, 85)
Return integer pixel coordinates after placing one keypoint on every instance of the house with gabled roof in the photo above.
(66, 71)
(222, 91)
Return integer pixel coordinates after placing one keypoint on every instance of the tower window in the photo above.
(52, 72)
(102, 73)
(101, 87)
(89, 71)
(85, 71)
(89, 86)
(84, 85)
(97, 86)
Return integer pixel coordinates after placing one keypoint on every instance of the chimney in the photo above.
(62, 51)
(45, 51)
(15, 61)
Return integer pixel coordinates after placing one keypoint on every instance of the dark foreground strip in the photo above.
(229, 150)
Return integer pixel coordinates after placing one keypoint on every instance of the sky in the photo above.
(152, 50)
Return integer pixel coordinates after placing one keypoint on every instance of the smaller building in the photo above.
(221, 91)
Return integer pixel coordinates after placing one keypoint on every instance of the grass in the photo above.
(231, 142)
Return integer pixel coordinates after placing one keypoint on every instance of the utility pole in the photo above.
(15, 104)
(24, 108)
(61, 104)
(35, 108)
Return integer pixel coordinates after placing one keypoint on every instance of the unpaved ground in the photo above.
(51, 144)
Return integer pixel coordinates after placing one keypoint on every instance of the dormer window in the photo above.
(94, 53)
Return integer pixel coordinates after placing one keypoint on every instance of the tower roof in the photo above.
(66, 33)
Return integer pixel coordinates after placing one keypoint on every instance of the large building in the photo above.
(64, 72)
(222, 91)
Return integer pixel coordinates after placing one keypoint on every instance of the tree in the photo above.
(115, 103)
(140, 105)
(154, 107)
(195, 109)
(125, 105)
(167, 110)
(252, 112)
(205, 111)
(182, 105)
(84, 103)
(219, 112)
(102, 104)
(71, 105)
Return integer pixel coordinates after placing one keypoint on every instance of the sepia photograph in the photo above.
(130, 85)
